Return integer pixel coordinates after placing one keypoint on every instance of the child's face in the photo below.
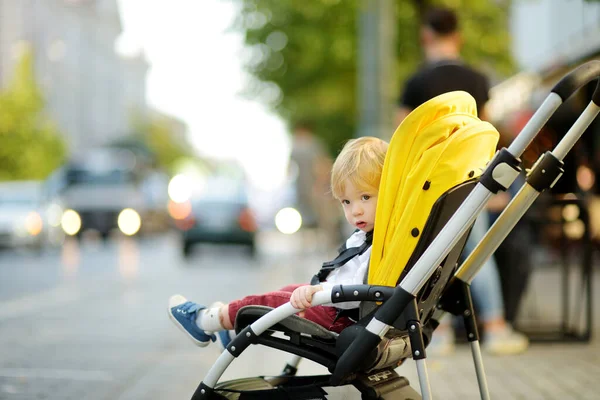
(359, 207)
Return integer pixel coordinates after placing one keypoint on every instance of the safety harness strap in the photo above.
(344, 256)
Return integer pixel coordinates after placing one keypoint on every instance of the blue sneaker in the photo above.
(183, 313)
(224, 338)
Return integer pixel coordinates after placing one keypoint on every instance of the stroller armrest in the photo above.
(369, 337)
(338, 294)
(286, 310)
(343, 293)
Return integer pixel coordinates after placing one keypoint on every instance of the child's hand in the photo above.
(302, 296)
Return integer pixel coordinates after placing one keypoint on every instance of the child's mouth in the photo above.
(361, 224)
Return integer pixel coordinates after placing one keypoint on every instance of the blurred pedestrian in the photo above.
(312, 167)
(514, 255)
(444, 71)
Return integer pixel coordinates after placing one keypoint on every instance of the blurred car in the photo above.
(154, 188)
(218, 214)
(26, 219)
(101, 192)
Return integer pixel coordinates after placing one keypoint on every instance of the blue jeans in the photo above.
(486, 288)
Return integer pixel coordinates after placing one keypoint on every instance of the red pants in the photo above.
(321, 315)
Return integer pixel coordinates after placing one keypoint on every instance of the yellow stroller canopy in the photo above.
(439, 145)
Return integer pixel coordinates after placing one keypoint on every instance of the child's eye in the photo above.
(365, 197)
(346, 202)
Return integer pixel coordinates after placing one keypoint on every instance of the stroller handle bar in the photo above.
(549, 163)
(561, 92)
(530, 191)
(575, 79)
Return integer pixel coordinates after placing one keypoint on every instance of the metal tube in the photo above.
(572, 136)
(218, 368)
(379, 326)
(423, 379)
(445, 240)
(499, 230)
(479, 370)
(286, 310)
(533, 126)
(522, 201)
(295, 361)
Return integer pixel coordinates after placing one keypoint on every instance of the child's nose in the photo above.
(357, 210)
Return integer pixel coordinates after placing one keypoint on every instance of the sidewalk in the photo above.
(567, 370)
(545, 372)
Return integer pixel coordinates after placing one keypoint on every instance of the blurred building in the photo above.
(91, 91)
(548, 33)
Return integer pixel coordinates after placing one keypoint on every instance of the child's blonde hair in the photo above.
(361, 163)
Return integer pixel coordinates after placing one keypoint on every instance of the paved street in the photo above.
(89, 322)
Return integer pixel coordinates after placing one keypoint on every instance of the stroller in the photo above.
(396, 323)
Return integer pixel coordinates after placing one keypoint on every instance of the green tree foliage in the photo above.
(159, 135)
(30, 145)
(303, 54)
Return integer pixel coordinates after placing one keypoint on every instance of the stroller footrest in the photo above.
(385, 384)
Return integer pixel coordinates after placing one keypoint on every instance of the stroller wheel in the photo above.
(187, 249)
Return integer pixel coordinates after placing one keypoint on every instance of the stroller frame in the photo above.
(501, 172)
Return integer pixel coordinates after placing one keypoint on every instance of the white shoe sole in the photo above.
(174, 301)
(440, 350)
(507, 349)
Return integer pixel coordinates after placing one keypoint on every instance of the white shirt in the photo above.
(351, 273)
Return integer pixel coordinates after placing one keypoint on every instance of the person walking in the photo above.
(311, 165)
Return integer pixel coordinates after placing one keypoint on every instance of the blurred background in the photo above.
(154, 147)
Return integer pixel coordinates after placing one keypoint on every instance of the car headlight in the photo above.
(129, 221)
(179, 188)
(179, 211)
(288, 220)
(33, 223)
(54, 213)
(70, 222)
